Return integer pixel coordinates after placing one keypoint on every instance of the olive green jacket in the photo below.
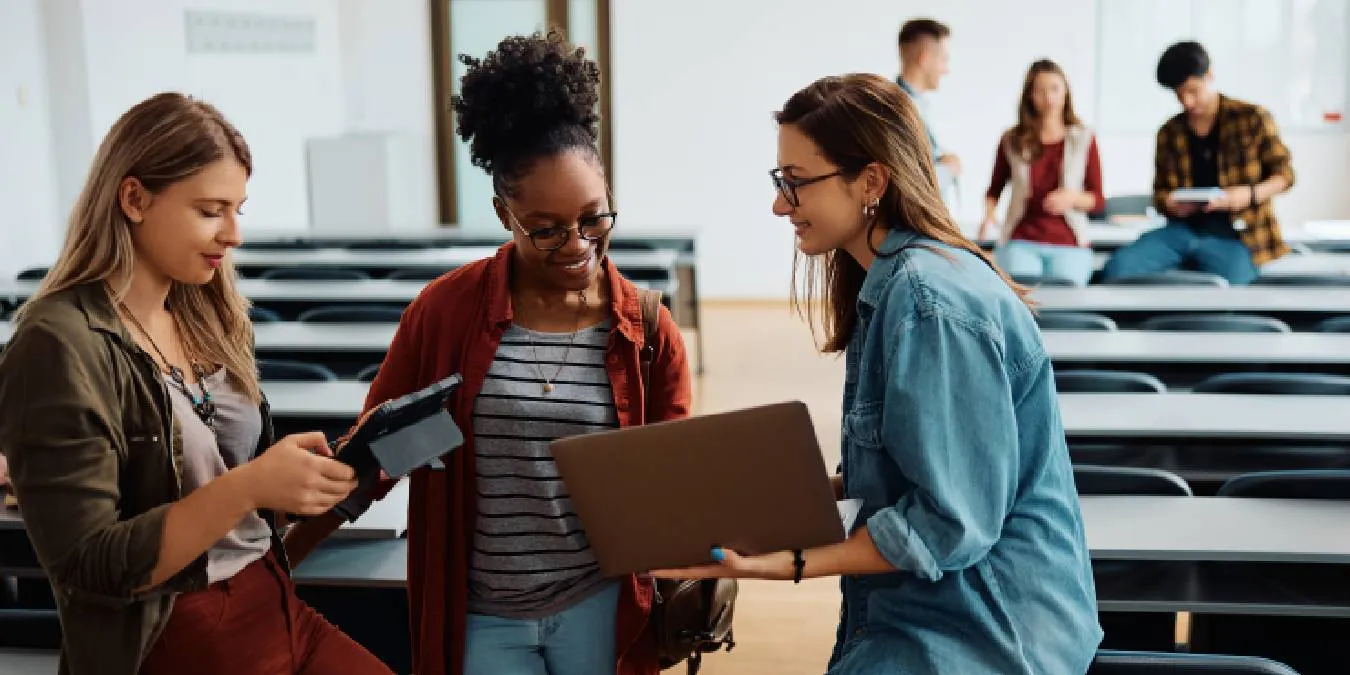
(95, 459)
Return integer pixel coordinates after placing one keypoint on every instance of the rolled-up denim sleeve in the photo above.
(948, 423)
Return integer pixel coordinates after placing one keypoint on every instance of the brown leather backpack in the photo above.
(690, 617)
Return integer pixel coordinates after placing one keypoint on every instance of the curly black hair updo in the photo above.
(533, 96)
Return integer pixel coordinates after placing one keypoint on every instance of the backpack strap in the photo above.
(650, 302)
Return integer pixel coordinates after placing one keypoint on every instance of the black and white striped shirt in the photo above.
(531, 558)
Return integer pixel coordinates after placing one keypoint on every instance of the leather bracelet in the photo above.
(1253, 187)
(798, 566)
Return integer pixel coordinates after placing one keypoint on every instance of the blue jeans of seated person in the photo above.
(576, 641)
(1176, 244)
(1031, 259)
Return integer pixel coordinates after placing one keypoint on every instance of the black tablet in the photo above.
(401, 435)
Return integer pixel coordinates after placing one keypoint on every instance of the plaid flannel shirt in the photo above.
(1250, 151)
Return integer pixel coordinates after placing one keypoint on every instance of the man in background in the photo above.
(923, 62)
(1215, 142)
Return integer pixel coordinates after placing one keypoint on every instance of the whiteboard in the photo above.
(1288, 56)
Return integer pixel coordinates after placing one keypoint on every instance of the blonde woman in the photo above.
(139, 442)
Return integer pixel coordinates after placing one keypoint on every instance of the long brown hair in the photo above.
(857, 120)
(1025, 138)
(162, 140)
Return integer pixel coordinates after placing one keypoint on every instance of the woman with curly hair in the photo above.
(546, 334)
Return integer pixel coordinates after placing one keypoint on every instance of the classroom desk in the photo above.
(347, 339)
(637, 264)
(1301, 306)
(1135, 346)
(622, 237)
(1181, 416)
(1315, 236)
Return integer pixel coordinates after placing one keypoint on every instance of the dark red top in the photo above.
(1047, 172)
(454, 326)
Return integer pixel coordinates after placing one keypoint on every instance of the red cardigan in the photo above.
(455, 326)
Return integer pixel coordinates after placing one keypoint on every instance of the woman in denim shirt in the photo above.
(969, 555)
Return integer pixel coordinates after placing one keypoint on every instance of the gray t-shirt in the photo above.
(207, 454)
(531, 558)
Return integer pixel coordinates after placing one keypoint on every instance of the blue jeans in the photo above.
(576, 641)
(1028, 258)
(1176, 244)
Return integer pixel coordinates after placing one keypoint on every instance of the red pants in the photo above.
(254, 624)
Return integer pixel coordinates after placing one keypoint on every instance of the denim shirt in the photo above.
(952, 439)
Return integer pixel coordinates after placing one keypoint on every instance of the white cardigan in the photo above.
(1077, 142)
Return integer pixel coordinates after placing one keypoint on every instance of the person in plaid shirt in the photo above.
(1215, 142)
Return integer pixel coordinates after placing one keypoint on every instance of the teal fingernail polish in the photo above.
(717, 554)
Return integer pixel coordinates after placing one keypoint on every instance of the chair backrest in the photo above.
(1107, 382)
(1128, 480)
(352, 314)
(1290, 484)
(1336, 324)
(33, 274)
(1287, 384)
(1037, 280)
(1172, 278)
(1109, 662)
(417, 274)
(263, 315)
(1127, 205)
(1301, 279)
(1076, 321)
(314, 274)
(368, 373)
(1218, 323)
(277, 370)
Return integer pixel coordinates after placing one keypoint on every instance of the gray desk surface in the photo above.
(267, 290)
(1217, 529)
(436, 258)
(1214, 529)
(1281, 299)
(1132, 346)
(1206, 416)
(292, 336)
(1179, 416)
(9, 519)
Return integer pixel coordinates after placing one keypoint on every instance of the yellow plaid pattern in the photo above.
(1250, 151)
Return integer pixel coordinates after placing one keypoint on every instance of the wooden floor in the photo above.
(763, 353)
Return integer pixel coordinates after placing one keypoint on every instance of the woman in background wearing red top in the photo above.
(1051, 160)
(546, 335)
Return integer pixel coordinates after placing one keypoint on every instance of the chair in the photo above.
(1109, 662)
(274, 370)
(1286, 384)
(1218, 323)
(1303, 279)
(1037, 280)
(313, 274)
(1128, 206)
(1107, 382)
(352, 314)
(33, 274)
(417, 274)
(1305, 484)
(263, 315)
(1336, 324)
(368, 373)
(1076, 321)
(1128, 480)
(1172, 278)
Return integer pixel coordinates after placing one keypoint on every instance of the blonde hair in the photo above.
(162, 140)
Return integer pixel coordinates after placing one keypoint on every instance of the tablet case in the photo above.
(400, 436)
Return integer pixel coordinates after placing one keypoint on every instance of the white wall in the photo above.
(386, 80)
(695, 84)
(27, 174)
